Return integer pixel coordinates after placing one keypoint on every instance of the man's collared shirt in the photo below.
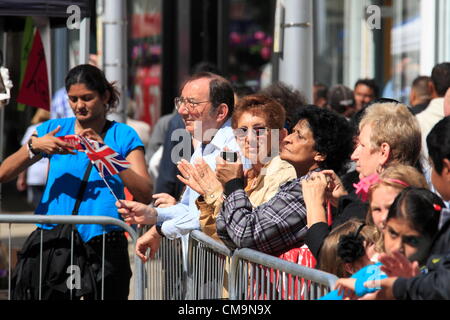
(428, 118)
(183, 217)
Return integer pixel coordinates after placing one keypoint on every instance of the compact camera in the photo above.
(229, 156)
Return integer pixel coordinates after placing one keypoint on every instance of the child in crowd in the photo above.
(348, 248)
(411, 225)
(435, 283)
(381, 192)
(385, 188)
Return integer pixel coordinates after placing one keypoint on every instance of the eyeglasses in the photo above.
(189, 103)
(241, 133)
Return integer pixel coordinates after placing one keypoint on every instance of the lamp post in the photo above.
(295, 18)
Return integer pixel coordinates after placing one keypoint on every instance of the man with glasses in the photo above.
(206, 105)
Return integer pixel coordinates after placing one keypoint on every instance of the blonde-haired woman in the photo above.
(388, 134)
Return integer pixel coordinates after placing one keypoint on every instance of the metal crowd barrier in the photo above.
(165, 275)
(198, 267)
(258, 276)
(65, 219)
(207, 269)
(208, 266)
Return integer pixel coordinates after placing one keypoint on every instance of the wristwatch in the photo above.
(31, 152)
(158, 229)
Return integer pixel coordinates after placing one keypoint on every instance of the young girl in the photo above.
(384, 188)
(341, 253)
(381, 192)
(411, 224)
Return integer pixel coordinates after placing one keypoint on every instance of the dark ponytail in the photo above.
(94, 79)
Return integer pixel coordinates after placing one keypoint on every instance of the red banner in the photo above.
(35, 91)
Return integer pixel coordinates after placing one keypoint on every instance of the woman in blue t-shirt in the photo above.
(91, 96)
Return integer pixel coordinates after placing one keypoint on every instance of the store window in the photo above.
(405, 49)
(144, 59)
(411, 39)
(250, 41)
(329, 35)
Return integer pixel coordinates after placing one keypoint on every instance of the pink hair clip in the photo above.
(437, 207)
(362, 187)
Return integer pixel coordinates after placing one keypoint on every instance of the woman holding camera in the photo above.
(258, 124)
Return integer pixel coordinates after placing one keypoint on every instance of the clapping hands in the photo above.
(200, 177)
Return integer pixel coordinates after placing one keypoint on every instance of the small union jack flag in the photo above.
(106, 160)
(74, 140)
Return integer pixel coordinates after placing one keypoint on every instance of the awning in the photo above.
(48, 8)
(13, 12)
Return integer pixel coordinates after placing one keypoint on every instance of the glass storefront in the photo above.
(250, 41)
(412, 37)
(144, 58)
(404, 49)
(329, 34)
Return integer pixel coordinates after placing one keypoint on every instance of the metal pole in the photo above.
(223, 12)
(61, 57)
(2, 111)
(84, 40)
(296, 64)
(115, 52)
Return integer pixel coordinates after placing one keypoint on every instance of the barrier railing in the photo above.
(65, 219)
(208, 262)
(258, 276)
(198, 267)
(165, 275)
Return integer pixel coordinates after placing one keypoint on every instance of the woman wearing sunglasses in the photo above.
(258, 123)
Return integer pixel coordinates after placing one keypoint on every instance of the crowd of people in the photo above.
(355, 184)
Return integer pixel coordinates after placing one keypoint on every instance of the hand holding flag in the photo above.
(50, 144)
(74, 140)
(105, 160)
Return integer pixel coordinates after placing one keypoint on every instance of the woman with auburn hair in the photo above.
(258, 123)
